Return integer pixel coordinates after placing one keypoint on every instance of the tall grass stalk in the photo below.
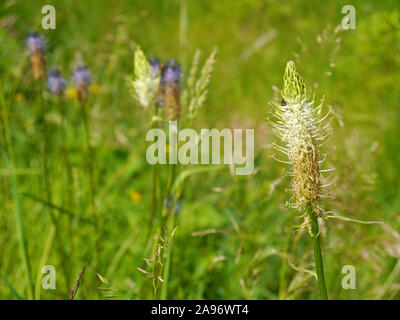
(48, 193)
(183, 30)
(169, 198)
(69, 175)
(20, 225)
(45, 151)
(92, 186)
(48, 244)
(166, 272)
(6, 125)
(155, 178)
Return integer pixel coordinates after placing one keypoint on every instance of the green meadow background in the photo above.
(233, 233)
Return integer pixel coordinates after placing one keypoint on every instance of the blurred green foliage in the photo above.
(231, 229)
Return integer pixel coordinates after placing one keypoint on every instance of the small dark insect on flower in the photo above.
(283, 102)
(55, 83)
(36, 45)
(82, 79)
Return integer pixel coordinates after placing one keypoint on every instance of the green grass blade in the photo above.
(56, 207)
(12, 290)
(19, 222)
(187, 173)
(390, 280)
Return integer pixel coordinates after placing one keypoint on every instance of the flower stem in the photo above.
(69, 174)
(92, 187)
(154, 197)
(316, 239)
(53, 233)
(283, 271)
(45, 153)
(153, 202)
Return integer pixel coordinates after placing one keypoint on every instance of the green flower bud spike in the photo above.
(298, 124)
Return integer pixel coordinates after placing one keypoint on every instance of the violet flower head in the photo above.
(55, 83)
(155, 65)
(35, 42)
(178, 204)
(171, 72)
(81, 76)
(36, 45)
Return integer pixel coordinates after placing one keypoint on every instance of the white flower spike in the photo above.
(147, 82)
(299, 125)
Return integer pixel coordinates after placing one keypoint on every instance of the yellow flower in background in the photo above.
(167, 148)
(136, 196)
(70, 93)
(18, 96)
(94, 88)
